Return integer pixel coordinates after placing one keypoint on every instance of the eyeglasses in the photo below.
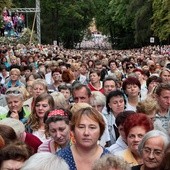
(154, 152)
(130, 67)
(16, 92)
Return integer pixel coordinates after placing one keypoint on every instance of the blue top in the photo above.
(67, 155)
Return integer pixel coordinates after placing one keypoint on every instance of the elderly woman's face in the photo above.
(134, 137)
(87, 132)
(14, 103)
(153, 152)
(37, 90)
(60, 132)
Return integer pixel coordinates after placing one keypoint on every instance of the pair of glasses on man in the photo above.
(15, 92)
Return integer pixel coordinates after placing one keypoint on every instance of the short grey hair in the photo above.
(111, 161)
(97, 98)
(15, 124)
(152, 134)
(45, 161)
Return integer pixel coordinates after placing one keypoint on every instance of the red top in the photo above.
(92, 88)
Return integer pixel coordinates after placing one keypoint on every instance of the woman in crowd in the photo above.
(35, 124)
(129, 69)
(115, 104)
(88, 126)
(45, 161)
(165, 75)
(39, 86)
(131, 86)
(95, 84)
(151, 149)
(66, 91)
(149, 106)
(121, 143)
(14, 79)
(110, 162)
(57, 123)
(15, 99)
(135, 127)
(56, 78)
(98, 101)
(60, 100)
(152, 82)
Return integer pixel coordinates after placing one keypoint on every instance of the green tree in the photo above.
(5, 3)
(65, 21)
(141, 11)
(161, 18)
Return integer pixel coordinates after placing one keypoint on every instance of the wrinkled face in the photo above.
(117, 104)
(153, 152)
(132, 90)
(165, 76)
(14, 103)
(12, 165)
(87, 132)
(14, 76)
(41, 108)
(81, 96)
(94, 78)
(38, 89)
(134, 137)
(164, 99)
(66, 93)
(109, 86)
(60, 132)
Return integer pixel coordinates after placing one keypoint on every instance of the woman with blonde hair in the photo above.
(39, 86)
(149, 106)
(14, 79)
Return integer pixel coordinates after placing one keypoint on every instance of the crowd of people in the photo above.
(84, 109)
(11, 24)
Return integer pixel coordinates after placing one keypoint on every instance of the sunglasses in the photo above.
(130, 67)
(16, 92)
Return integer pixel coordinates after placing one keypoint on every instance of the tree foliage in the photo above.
(161, 18)
(128, 23)
(5, 3)
(66, 21)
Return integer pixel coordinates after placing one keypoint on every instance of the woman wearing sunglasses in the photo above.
(17, 110)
